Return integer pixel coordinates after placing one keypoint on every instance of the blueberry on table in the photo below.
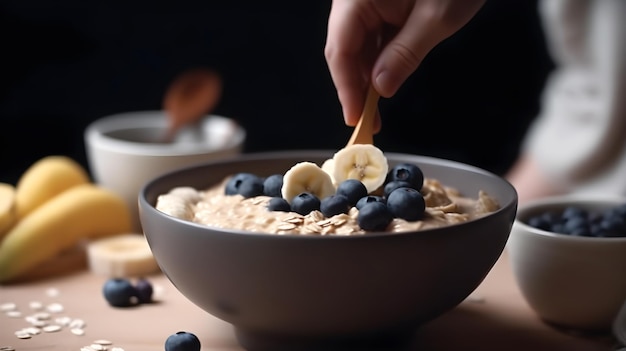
(406, 172)
(352, 189)
(272, 185)
(305, 203)
(406, 203)
(119, 292)
(182, 341)
(367, 199)
(278, 204)
(144, 290)
(374, 216)
(334, 204)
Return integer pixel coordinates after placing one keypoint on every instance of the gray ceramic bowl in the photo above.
(284, 292)
(570, 281)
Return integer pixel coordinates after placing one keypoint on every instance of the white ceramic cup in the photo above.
(573, 282)
(126, 150)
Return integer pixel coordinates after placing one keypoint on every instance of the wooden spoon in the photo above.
(191, 96)
(364, 131)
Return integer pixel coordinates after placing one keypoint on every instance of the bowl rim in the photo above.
(556, 201)
(95, 131)
(316, 153)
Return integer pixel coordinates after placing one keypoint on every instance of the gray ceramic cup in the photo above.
(311, 292)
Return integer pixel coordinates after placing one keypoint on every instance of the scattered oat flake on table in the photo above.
(55, 308)
(103, 342)
(51, 328)
(14, 314)
(52, 292)
(21, 334)
(77, 331)
(8, 306)
(77, 323)
(32, 330)
(35, 305)
(64, 321)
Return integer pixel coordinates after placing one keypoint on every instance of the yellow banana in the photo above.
(82, 212)
(44, 179)
(7, 208)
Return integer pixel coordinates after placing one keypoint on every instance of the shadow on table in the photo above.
(471, 328)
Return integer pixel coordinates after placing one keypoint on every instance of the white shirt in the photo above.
(579, 138)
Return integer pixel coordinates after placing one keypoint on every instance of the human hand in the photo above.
(384, 41)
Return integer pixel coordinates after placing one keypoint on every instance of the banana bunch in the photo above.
(53, 207)
(364, 162)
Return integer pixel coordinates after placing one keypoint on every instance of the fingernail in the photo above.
(386, 83)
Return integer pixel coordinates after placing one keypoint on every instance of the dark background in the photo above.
(66, 63)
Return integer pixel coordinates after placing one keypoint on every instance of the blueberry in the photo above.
(119, 292)
(251, 186)
(374, 216)
(352, 189)
(406, 172)
(576, 225)
(612, 226)
(406, 203)
(144, 290)
(393, 185)
(573, 212)
(577, 221)
(335, 204)
(182, 341)
(367, 199)
(305, 203)
(278, 204)
(540, 222)
(233, 184)
(272, 185)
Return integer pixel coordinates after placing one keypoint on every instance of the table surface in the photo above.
(494, 317)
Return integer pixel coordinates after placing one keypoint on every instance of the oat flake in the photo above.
(14, 314)
(8, 306)
(22, 334)
(51, 328)
(77, 331)
(54, 308)
(35, 305)
(103, 342)
(52, 292)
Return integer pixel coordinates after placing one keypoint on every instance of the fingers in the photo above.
(430, 22)
(355, 27)
(346, 41)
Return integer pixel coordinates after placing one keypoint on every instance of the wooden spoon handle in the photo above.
(364, 131)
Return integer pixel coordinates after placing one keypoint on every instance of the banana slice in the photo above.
(306, 177)
(121, 256)
(328, 166)
(364, 162)
(8, 214)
